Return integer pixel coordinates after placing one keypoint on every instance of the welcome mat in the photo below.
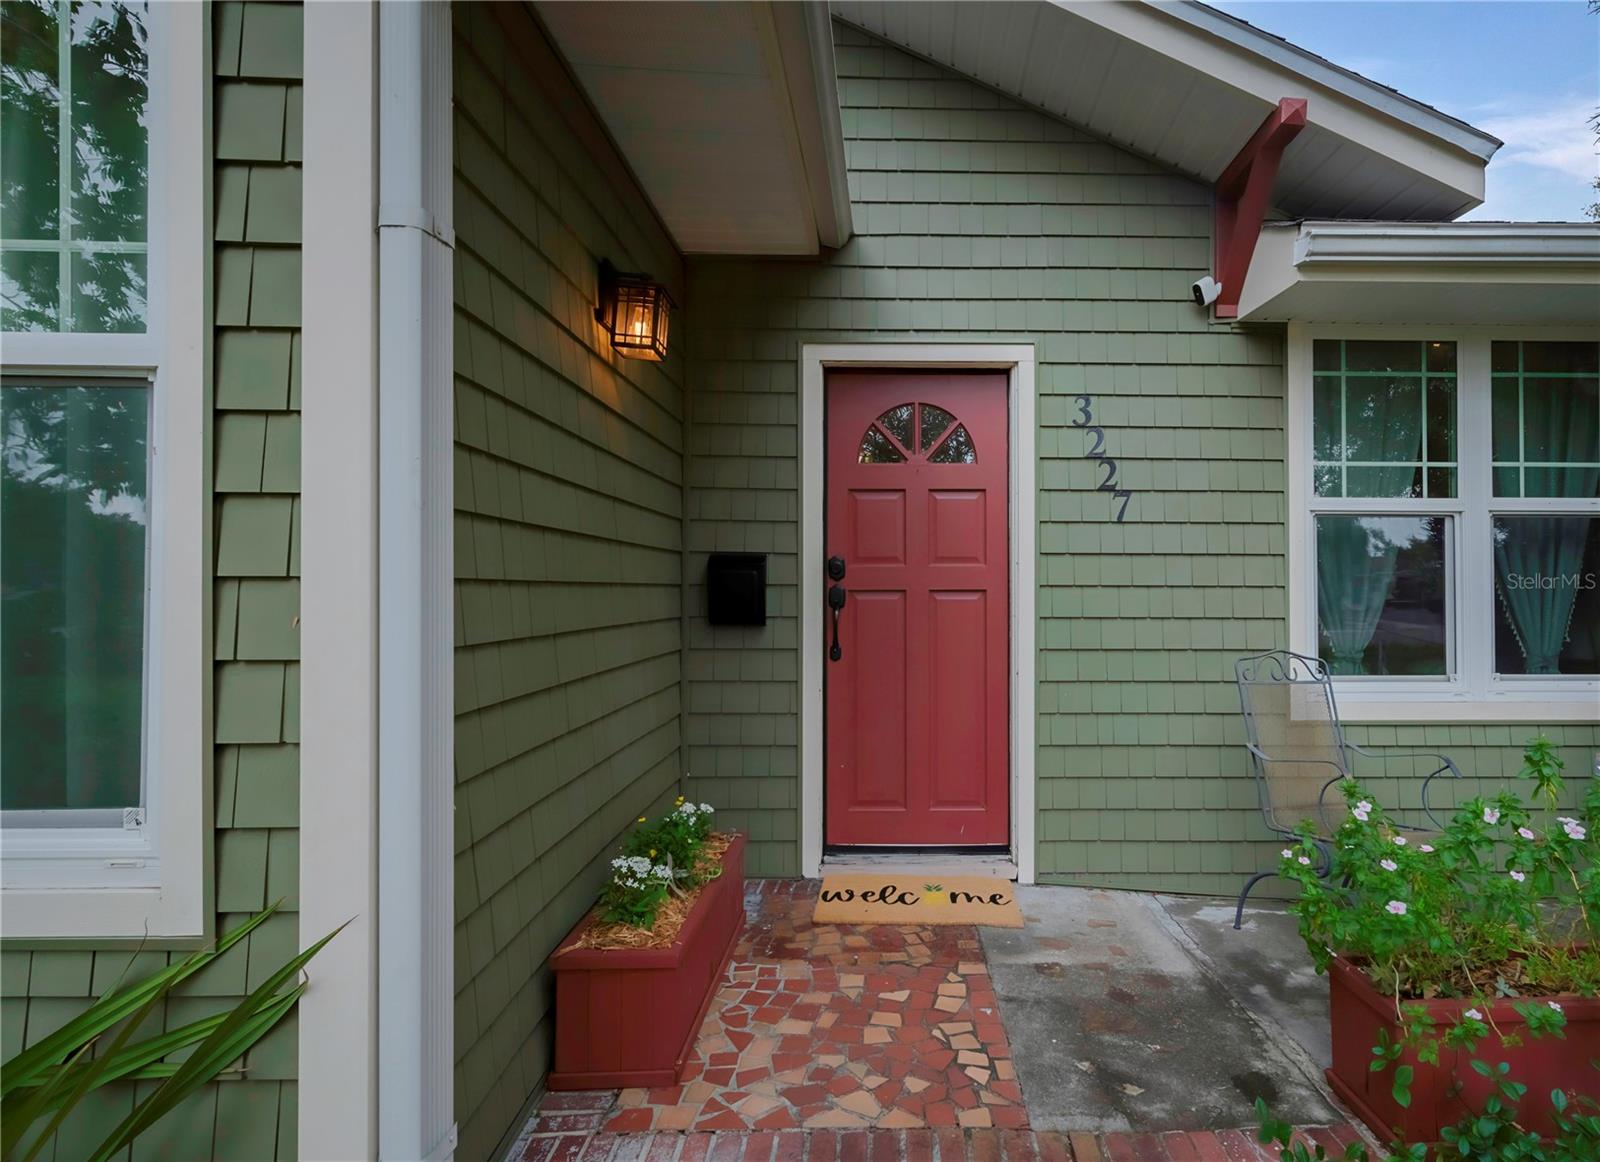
(886, 898)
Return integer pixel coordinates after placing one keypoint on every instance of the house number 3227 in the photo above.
(1108, 482)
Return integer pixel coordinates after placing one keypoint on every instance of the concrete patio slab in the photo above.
(1120, 1020)
(1263, 965)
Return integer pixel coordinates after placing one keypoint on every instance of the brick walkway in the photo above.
(568, 1130)
(837, 1043)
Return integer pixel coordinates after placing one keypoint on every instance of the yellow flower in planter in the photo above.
(933, 895)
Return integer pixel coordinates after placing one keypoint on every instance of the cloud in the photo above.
(1553, 135)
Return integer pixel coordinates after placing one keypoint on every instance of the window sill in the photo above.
(1577, 707)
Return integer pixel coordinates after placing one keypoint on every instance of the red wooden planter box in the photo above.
(628, 1016)
(1358, 1011)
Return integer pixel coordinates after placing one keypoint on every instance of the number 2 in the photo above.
(1099, 443)
(1110, 466)
(1083, 411)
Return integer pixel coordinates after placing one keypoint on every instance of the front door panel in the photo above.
(918, 702)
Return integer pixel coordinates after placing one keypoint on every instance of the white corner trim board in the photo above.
(1018, 361)
(338, 1065)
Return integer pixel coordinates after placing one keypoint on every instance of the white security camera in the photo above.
(1205, 291)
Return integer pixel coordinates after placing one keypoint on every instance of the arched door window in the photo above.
(917, 431)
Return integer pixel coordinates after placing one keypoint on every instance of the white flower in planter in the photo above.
(1554, 1006)
(1288, 853)
(1395, 907)
(1474, 1014)
(1305, 861)
(1399, 840)
(1388, 865)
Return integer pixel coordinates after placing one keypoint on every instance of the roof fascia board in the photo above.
(805, 43)
(1476, 244)
(1296, 255)
(1425, 150)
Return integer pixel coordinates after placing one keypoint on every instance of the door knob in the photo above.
(836, 568)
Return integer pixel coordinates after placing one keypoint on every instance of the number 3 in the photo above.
(1083, 411)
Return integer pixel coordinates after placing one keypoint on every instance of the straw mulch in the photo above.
(669, 920)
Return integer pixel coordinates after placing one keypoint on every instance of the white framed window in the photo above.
(1444, 519)
(102, 470)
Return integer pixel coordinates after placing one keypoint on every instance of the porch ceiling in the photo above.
(728, 114)
(1186, 85)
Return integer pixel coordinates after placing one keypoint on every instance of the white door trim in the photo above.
(1017, 360)
(338, 1064)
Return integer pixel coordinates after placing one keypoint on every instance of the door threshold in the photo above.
(919, 863)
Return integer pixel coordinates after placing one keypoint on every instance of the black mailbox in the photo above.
(736, 589)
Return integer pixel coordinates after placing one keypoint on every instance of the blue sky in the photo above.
(1527, 72)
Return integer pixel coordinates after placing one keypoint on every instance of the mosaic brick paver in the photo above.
(581, 1115)
(840, 1027)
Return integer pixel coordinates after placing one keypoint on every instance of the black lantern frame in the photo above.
(635, 311)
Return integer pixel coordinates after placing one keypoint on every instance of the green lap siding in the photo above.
(568, 492)
(979, 220)
(255, 482)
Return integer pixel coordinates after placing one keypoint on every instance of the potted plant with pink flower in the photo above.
(1463, 964)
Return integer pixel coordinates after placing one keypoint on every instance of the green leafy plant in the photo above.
(1501, 904)
(50, 1078)
(659, 860)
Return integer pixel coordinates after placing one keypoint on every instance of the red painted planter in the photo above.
(1358, 1012)
(628, 1016)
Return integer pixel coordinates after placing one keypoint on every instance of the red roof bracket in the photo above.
(1244, 192)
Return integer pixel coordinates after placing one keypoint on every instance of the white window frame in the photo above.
(1472, 692)
(148, 881)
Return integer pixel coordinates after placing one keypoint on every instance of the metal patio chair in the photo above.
(1299, 753)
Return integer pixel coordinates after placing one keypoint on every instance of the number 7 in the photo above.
(1122, 494)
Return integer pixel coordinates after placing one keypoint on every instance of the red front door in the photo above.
(918, 699)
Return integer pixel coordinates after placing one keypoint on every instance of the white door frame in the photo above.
(1017, 360)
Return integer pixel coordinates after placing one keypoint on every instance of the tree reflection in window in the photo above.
(912, 432)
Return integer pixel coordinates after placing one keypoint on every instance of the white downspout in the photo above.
(415, 583)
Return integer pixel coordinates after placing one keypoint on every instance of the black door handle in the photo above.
(836, 596)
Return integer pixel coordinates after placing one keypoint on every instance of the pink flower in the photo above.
(1572, 827)
(1361, 810)
(1473, 1014)
(1491, 814)
(1305, 861)
(1518, 876)
(1388, 864)
(1525, 833)
(1395, 907)
(1399, 840)
(1288, 853)
(1426, 847)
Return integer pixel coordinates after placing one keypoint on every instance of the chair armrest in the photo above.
(1446, 766)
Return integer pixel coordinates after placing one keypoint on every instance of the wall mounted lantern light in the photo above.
(634, 311)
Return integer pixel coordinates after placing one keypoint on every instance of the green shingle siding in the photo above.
(980, 220)
(568, 546)
(255, 479)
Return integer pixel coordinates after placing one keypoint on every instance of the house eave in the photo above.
(1471, 273)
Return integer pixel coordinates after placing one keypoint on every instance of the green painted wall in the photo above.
(256, 480)
(978, 219)
(568, 489)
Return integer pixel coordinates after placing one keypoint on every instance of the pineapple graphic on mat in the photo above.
(933, 895)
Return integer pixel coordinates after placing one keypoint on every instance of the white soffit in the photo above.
(727, 113)
(1186, 85)
(1477, 273)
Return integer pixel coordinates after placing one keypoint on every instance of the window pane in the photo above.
(1547, 594)
(110, 138)
(1381, 586)
(1380, 425)
(30, 120)
(108, 292)
(1547, 421)
(73, 525)
(30, 290)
